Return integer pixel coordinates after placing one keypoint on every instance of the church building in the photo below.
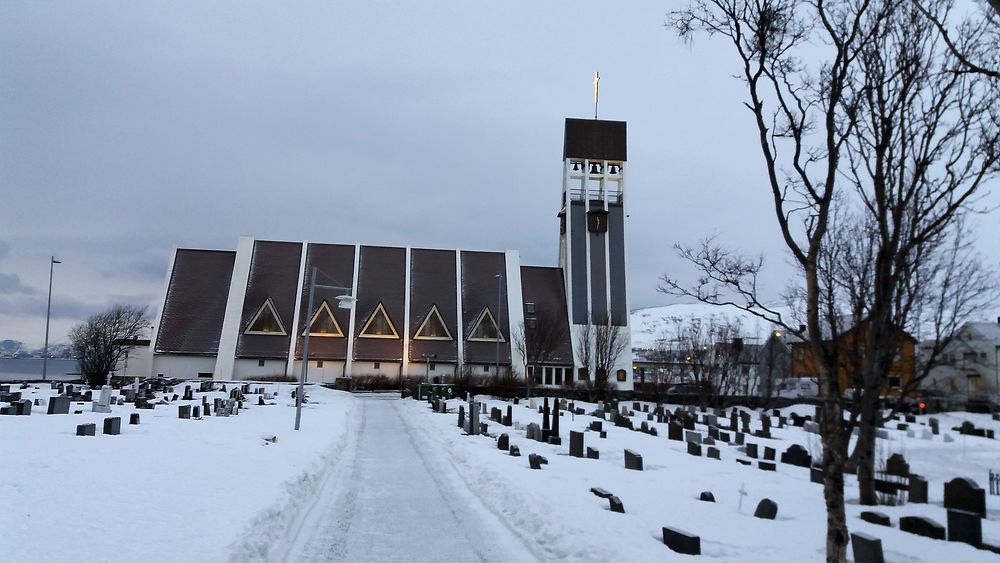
(412, 312)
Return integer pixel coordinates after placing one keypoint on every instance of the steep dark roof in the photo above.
(274, 275)
(544, 287)
(336, 268)
(195, 305)
(381, 279)
(433, 283)
(479, 290)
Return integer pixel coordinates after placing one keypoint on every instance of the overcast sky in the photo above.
(128, 128)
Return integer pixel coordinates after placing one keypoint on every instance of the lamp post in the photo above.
(346, 302)
(996, 364)
(48, 314)
(499, 278)
(427, 366)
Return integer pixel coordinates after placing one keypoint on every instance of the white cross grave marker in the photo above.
(743, 493)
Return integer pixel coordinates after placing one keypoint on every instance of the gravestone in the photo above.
(964, 494)
(733, 416)
(600, 492)
(816, 475)
(515, 451)
(575, 443)
(965, 527)
(58, 405)
(113, 425)
(743, 461)
(767, 465)
(681, 542)
(724, 437)
(796, 455)
(633, 460)
(769, 453)
(878, 518)
(615, 504)
(867, 549)
(694, 449)
(766, 509)
(555, 424)
(102, 405)
(765, 426)
(740, 438)
(691, 436)
(503, 442)
(918, 489)
(706, 496)
(195, 412)
(533, 432)
(896, 465)
(713, 432)
(935, 425)
(811, 427)
(260, 401)
(86, 429)
(461, 416)
(535, 461)
(713, 453)
(708, 441)
(751, 450)
(596, 425)
(508, 418)
(675, 431)
(184, 411)
(592, 453)
(546, 428)
(133, 418)
(922, 527)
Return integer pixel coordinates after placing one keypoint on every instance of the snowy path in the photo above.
(396, 499)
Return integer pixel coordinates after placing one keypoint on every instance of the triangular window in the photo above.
(324, 323)
(379, 325)
(433, 327)
(485, 329)
(266, 321)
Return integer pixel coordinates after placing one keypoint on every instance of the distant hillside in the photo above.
(655, 324)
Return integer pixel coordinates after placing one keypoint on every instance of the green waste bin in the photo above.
(431, 391)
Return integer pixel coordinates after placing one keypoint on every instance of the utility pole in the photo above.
(48, 314)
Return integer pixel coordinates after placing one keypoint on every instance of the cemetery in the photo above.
(570, 480)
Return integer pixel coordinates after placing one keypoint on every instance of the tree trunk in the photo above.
(834, 457)
(864, 449)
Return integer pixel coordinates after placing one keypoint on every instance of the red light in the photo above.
(923, 405)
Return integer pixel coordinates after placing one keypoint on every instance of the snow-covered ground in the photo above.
(168, 488)
(374, 478)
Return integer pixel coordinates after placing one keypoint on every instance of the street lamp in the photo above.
(427, 365)
(346, 302)
(48, 314)
(499, 278)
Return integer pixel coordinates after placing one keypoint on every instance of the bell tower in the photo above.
(592, 230)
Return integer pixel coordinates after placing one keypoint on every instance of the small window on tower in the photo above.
(529, 308)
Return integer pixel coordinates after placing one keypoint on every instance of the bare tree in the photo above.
(711, 353)
(539, 342)
(97, 342)
(848, 94)
(599, 348)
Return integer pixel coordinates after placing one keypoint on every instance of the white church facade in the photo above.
(410, 312)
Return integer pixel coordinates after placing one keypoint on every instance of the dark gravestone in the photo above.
(503, 442)
(766, 509)
(58, 405)
(694, 449)
(767, 465)
(769, 453)
(752, 450)
(935, 425)
(575, 443)
(740, 438)
(133, 418)
(546, 428)
(867, 549)
(681, 542)
(964, 494)
(555, 440)
(690, 436)
(713, 431)
(724, 437)
(878, 518)
(596, 425)
(816, 475)
(184, 411)
(207, 409)
(113, 425)
(796, 455)
(515, 451)
(922, 527)
(965, 527)
(535, 461)
(633, 460)
(896, 465)
(195, 412)
(707, 496)
(918, 489)
(508, 419)
(600, 492)
(483, 427)
(22, 407)
(713, 452)
(743, 461)
(615, 504)
(461, 416)
(86, 429)
(603, 434)
(675, 431)
(592, 453)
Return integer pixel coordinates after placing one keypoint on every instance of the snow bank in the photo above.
(206, 489)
